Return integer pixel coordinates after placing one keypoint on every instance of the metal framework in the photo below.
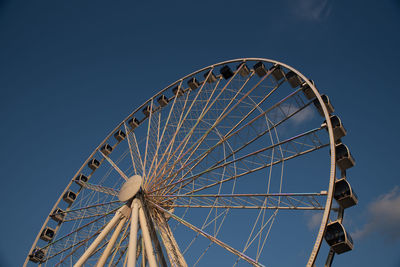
(221, 147)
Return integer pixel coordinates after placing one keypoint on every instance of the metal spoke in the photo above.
(307, 145)
(146, 149)
(211, 238)
(284, 201)
(233, 132)
(134, 148)
(200, 117)
(223, 115)
(130, 148)
(159, 141)
(181, 121)
(101, 189)
(91, 211)
(123, 175)
(69, 241)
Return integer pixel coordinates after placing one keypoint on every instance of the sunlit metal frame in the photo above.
(329, 193)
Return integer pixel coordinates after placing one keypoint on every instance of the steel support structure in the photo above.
(138, 219)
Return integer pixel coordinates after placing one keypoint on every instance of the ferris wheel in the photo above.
(233, 164)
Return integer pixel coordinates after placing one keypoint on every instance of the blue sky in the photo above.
(70, 71)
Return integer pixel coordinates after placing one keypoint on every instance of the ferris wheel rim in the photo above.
(329, 198)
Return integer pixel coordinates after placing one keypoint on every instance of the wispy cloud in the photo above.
(312, 10)
(383, 217)
(304, 115)
(314, 220)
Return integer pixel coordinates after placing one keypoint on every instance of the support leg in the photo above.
(171, 246)
(330, 257)
(153, 236)
(143, 254)
(147, 240)
(111, 243)
(133, 234)
(100, 237)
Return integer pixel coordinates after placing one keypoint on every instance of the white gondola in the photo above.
(344, 194)
(93, 164)
(260, 69)
(211, 78)
(307, 91)
(119, 135)
(337, 237)
(81, 179)
(277, 72)
(177, 91)
(69, 197)
(133, 123)
(243, 69)
(193, 83)
(338, 130)
(147, 110)
(37, 255)
(58, 215)
(226, 72)
(106, 149)
(327, 103)
(344, 159)
(162, 100)
(47, 234)
(293, 79)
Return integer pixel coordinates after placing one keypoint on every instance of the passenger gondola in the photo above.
(133, 123)
(344, 194)
(37, 255)
(177, 91)
(243, 69)
(47, 234)
(147, 110)
(106, 149)
(344, 159)
(69, 197)
(211, 77)
(260, 69)
(327, 103)
(277, 72)
(81, 179)
(226, 72)
(337, 237)
(193, 83)
(293, 79)
(338, 130)
(307, 91)
(93, 164)
(162, 100)
(58, 215)
(119, 135)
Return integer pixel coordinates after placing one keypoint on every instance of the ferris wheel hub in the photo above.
(130, 188)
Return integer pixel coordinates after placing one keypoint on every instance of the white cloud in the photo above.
(313, 10)
(314, 221)
(304, 115)
(383, 217)
(300, 117)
